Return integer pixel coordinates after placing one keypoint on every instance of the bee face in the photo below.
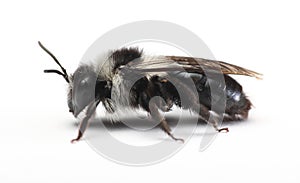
(82, 92)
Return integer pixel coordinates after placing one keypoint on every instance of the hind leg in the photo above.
(194, 105)
(213, 121)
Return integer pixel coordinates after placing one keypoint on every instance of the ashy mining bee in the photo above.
(142, 77)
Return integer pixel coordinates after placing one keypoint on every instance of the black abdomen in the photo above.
(237, 104)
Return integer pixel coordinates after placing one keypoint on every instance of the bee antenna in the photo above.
(63, 73)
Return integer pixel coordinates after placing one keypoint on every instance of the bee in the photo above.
(142, 77)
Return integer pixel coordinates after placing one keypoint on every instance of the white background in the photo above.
(36, 127)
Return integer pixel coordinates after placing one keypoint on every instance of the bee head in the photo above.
(85, 87)
(82, 89)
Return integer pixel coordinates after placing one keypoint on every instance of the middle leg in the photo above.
(162, 121)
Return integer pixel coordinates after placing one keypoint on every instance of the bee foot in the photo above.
(226, 130)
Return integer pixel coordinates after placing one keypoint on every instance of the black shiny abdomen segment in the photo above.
(237, 104)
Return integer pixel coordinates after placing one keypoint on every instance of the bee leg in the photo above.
(214, 123)
(84, 123)
(82, 128)
(162, 121)
(204, 113)
(166, 128)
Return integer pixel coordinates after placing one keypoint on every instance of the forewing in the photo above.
(189, 64)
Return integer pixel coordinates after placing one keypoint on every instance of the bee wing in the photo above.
(189, 64)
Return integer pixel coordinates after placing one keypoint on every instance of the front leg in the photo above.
(84, 123)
